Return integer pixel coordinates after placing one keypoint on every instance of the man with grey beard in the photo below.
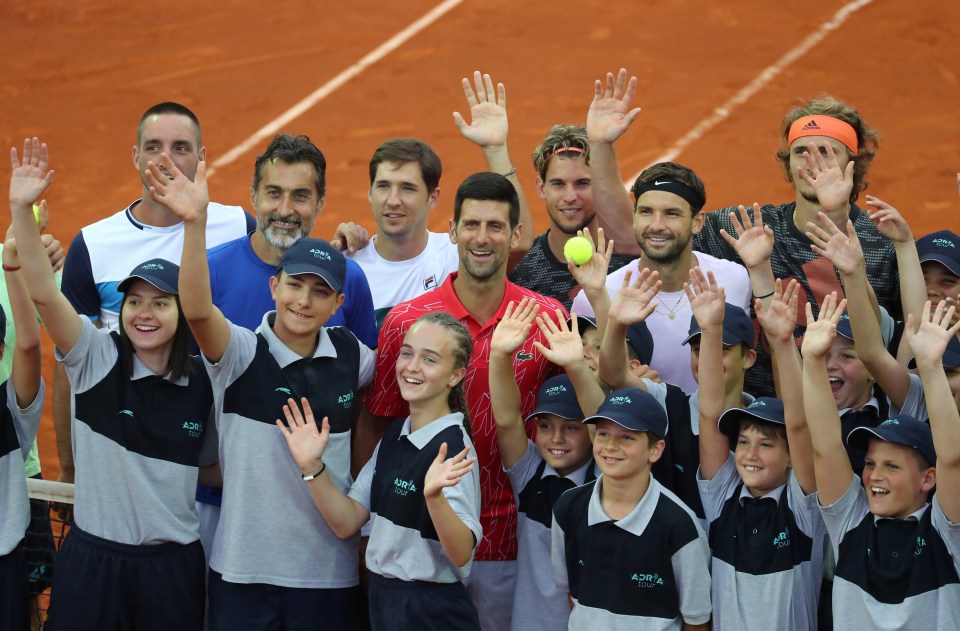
(288, 192)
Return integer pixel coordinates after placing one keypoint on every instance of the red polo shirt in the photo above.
(498, 512)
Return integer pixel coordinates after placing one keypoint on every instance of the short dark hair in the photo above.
(293, 150)
(179, 364)
(675, 170)
(404, 150)
(169, 107)
(487, 186)
(826, 105)
(768, 430)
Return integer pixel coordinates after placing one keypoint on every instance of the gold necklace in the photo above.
(671, 312)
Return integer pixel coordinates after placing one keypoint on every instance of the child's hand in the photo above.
(566, 346)
(780, 320)
(170, 187)
(930, 341)
(305, 442)
(443, 473)
(707, 299)
(821, 333)
(753, 242)
(514, 328)
(592, 275)
(30, 178)
(889, 221)
(824, 175)
(634, 302)
(843, 250)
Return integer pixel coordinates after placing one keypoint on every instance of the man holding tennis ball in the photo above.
(578, 249)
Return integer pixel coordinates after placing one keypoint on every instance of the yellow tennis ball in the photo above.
(579, 249)
(36, 213)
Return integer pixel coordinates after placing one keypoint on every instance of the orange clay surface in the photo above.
(80, 74)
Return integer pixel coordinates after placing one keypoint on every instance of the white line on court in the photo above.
(332, 85)
(746, 92)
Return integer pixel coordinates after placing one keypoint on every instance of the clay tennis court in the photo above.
(80, 74)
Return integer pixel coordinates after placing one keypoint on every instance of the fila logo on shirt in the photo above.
(194, 429)
(430, 282)
(403, 488)
(320, 254)
(647, 581)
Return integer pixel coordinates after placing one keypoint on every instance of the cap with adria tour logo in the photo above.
(766, 409)
(943, 247)
(160, 273)
(633, 409)
(557, 396)
(900, 430)
(316, 256)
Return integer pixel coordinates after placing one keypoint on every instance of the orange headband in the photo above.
(821, 125)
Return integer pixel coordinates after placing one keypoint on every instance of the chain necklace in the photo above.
(671, 311)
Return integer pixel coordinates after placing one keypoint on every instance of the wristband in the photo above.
(312, 476)
(510, 172)
(764, 296)
(10, 268)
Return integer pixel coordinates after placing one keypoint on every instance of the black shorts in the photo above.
(14, 594)
(103, 584)
(40, 546)
(262, 607)
(397, 605)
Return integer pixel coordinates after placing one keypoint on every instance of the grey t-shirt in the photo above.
(270, 530)
(15, 442)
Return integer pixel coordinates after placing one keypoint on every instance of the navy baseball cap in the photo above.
(766, 409)
(583, 322)
(160, 273)
(943, 247)
(737, 327)
(843, 327)
(641, 341)
(900, 430)
(951, 356)
(557, 396)
(316, 256)
(633, 409)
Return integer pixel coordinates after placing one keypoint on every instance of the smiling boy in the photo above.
(629, 552)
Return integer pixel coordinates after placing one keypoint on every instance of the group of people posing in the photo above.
(723, 418)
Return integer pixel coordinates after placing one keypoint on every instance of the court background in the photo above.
(80, 74)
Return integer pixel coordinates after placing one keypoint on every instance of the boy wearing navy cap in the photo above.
(540, 470)
(307, 574)
(629, 552)
(898, 557)
(940, 261)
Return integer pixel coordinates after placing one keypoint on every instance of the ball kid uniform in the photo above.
(18, 428)
(276, 563)
(649, 570)
(133, 556)
(413, 584)
(539, 604)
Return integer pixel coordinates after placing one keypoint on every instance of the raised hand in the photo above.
(841, 249)
(305, 442)
(565, 345)
(707, 299)
(823, 173)
(444, 473)
(350, 237)
(779, 320)
(888, 220)
(635, 300)
(592, 275)
(30, 178)
(488, 112)
(512, 331)
(170, 187)
(753, 241)
(821, 332)
(936, 330)
(610, 115)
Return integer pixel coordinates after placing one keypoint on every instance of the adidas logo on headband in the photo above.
(811, 126)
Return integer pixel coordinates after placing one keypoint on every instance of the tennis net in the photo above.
(51, 511)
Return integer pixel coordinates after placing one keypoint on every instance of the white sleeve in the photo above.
(949, 531)
(360, 490)
(715, 492)
(240, 351)
(92, 356)
(691, 568)
(26, 421)
(558, 557)
(844, 514)
(806, 509)
(522, 472)
(368, 365)
(582, 306)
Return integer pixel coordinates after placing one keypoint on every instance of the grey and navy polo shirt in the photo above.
(270, 530)
(137, 442)
(767, 553)
(18, 428)
(893, 573)
(649, 570)
(538, 604)
(403, 540)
